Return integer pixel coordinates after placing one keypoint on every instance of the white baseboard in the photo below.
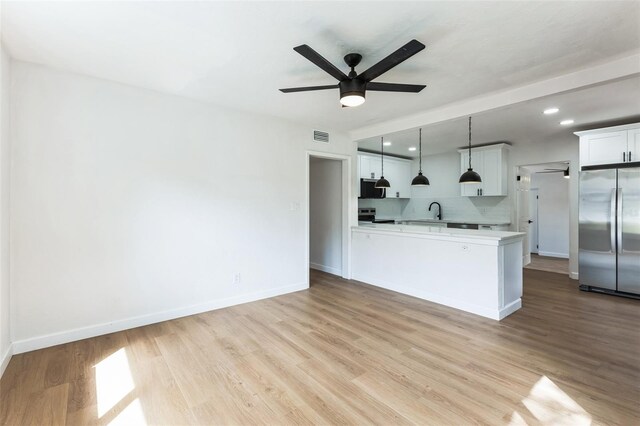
(324, 268)
(67, 336)
(573, 275)
(526, 259)
(510, 308)
(4, 361)
(553, 254)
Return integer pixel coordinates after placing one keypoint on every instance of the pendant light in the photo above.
(566, 173)
(382, 182)
(420, 180)
(470, 176)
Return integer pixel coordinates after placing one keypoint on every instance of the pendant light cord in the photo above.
(469, 143)
(420, 137)
(382, 157)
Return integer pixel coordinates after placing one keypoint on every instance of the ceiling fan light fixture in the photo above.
(352, 92)
(352, 100)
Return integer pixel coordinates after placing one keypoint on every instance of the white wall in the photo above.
(5, 133)
(131, 206)
(553, 214)
(325, 215)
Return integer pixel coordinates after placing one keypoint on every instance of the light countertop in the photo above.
(445, 221)
(440, 232)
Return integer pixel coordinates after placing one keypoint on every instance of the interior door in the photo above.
(629, 230)
(522, 193)
(597, 230)
(533, 218)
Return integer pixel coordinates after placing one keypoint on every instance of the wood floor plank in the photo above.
(347, 353)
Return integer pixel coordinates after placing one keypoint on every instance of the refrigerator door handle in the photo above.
(619, 220)
(612, 206)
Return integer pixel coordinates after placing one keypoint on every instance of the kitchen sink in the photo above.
(462, 225)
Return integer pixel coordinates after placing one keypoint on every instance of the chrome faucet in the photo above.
(439, 215)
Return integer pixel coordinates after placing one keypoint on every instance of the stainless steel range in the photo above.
(369, 215)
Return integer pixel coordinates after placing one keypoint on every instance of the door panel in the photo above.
(597, 247)
(533, 217)
(629, 230)
(491, 172)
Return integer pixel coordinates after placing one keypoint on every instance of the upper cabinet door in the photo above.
(397, 172)
(633, 145)
(604, 148)
(491, 172)
(369, 167)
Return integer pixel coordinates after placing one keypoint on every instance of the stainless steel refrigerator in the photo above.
(609, 237)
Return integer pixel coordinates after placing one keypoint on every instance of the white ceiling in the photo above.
(524, 122)
(238, 54)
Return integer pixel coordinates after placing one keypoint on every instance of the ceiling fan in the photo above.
(353, 86)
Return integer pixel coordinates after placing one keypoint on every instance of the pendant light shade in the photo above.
(566, 173)
(382, 182)
(420, 180)
(470, 176)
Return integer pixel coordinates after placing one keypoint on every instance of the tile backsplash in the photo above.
(466, 209)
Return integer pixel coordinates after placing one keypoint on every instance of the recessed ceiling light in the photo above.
(387, 143)
(566, 122)
(412, 148)
(551, 110)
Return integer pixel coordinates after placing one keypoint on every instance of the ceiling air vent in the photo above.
(319, 136)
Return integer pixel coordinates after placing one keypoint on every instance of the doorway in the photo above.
(328, 179)
(547, 223)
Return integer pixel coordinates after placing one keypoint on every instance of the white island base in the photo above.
(475, 271)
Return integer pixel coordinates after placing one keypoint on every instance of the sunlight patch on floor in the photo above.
(130, 416)
(550, 405)
(113, 381)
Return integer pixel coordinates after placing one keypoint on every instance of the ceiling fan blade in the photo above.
(556, 170)
(308, 89)
(553, 171)
(395, 87)
(400, 55)
(317, 59)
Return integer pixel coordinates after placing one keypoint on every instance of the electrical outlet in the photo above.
(236, 278)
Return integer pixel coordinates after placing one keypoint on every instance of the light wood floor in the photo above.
(348, 353)
(549, 264)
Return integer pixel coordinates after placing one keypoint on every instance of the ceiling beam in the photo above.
(623, 67)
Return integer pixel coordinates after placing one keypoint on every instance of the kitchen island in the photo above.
(476, 271)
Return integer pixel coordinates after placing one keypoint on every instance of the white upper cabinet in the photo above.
(396, 170)
(633, 144)
(398, 173)
(370, 166)
(620, 144)
(490, 162)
